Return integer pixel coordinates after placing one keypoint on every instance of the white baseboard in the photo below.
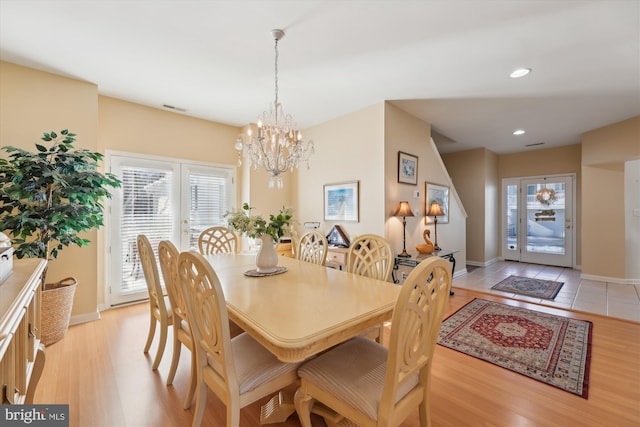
(483, 264)
(84, 318)
(460, 273)
(607, 279)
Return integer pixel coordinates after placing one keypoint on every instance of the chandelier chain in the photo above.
(276, 72)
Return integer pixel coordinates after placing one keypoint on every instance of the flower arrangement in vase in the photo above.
(255, 226)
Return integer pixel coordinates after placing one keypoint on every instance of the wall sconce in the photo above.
(435, 210)
(404, 210)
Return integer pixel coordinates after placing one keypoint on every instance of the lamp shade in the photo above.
(404, 209)
(435, 209)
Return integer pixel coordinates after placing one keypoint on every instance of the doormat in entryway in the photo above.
(552, 349)
(529, 286)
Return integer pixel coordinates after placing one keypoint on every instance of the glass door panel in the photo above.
(538, 220)
(165, 200)
(547, 229)
(511, 247)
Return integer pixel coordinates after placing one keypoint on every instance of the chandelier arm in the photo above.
(279, 156)
(266, 161)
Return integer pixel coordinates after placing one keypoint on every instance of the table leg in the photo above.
(393, 272)
(452, 260)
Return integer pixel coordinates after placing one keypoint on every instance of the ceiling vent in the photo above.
(171, 107)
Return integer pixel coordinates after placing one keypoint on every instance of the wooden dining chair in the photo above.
(312, 247)
(239, 370)
(160, 311)
(219, 240)
(370, 385)
(168, 256)
(215, 240)
(370, 255)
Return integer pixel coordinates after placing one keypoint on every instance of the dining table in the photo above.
(304, 310)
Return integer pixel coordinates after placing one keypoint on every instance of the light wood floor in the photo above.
(100, 371)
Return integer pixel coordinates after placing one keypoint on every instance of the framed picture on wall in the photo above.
(341, 201)
(407, 168)
(438, 194)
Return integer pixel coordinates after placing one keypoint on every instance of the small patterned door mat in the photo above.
(537, 288)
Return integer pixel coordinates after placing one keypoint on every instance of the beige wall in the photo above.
(32, 102)
(404, 132)
(468, 171)
(492, 191)
(134, 128)
(603, 253)
(605, 245)
(615, 143)
(364, 146)
(349, 148)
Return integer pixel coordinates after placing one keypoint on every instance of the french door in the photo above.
(538, 220)
(165, 200)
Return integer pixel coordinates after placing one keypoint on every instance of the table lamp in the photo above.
(435, 210)
(404, 210)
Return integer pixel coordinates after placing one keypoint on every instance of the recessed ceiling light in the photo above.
(520, 72)
(518, 132)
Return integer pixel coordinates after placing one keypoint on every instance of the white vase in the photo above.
(267, 258)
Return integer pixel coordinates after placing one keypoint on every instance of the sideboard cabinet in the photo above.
(21, 354)
(337, 257)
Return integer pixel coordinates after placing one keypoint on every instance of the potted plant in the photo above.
(255, 226)
(48, 197)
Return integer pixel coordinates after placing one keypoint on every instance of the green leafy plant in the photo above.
(254, 226)
(50, 196)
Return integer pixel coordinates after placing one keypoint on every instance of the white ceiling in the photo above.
(444, 61)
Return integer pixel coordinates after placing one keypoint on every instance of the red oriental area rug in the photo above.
(553, 349)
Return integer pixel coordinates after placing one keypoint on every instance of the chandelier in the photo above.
(278, 146)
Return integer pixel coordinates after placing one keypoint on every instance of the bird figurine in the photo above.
(428, 248)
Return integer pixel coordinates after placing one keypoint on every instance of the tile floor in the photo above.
(610, 299)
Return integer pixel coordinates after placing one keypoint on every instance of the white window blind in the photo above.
(146, 209)
(208, 202)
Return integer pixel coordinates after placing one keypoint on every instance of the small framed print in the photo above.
(407, 168)
(341, 201)
(436, 193)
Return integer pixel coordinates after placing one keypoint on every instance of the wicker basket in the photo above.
(57, 300)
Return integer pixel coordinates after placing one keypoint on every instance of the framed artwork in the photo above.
(440, 194)
(407, 168)
(341, 201)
